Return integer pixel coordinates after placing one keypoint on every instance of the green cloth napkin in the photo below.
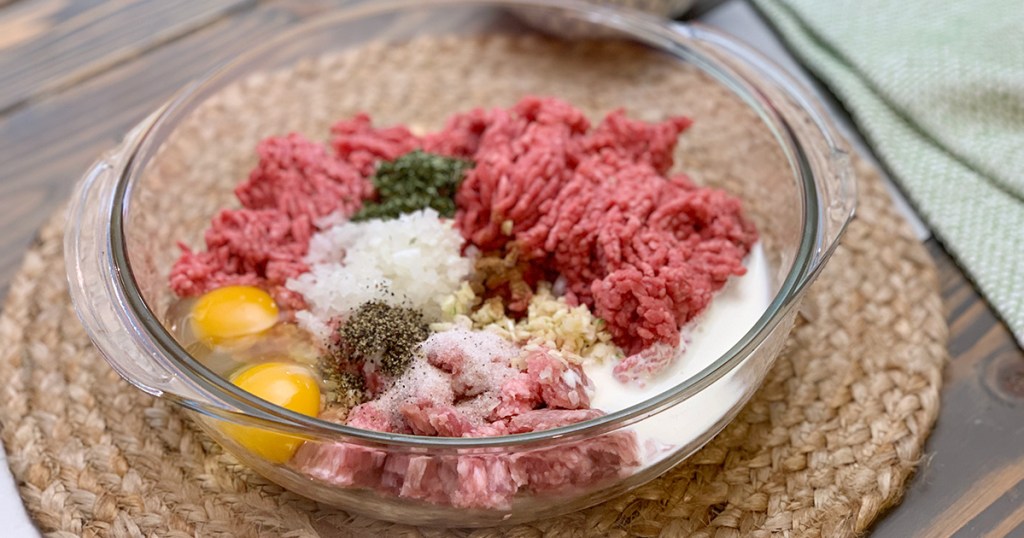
(937, 88)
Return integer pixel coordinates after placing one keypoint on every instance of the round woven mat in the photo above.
(825, 445)
(823, 448)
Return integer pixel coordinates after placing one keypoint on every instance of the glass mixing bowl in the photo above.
(140, 198)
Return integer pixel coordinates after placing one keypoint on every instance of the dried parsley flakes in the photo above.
(414, 181)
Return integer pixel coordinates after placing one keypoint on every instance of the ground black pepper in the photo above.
(385, 333)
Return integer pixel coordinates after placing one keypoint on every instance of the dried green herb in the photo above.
(414, 181)
(384, 333)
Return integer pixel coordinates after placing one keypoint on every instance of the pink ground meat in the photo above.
(519, 394)
(547, 382)
(463, 381)
(362, 146)
(425, 417)
(477, 481)
(481, 396)
(546, 419)
(561, 385)
(256, 247)
(298, 176)
(645, 252)
(577, 465)
(294, 183)
(646, 364)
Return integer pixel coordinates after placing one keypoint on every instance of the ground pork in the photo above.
(561, 385)
(477, 362)
(341, 464)
(576, 465)
(461, 385)
(477, 481)
(646, 364)
(425, 417)
(546, 419)
(549, 382)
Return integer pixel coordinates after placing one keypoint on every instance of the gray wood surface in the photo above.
(74, 76)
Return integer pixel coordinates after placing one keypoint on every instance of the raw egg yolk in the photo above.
(232, 311)
(288, 385)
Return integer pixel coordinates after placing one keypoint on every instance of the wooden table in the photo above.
(75, 76)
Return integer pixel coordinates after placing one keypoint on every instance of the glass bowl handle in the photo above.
(98, 301)
(837, 191)
(803, 120)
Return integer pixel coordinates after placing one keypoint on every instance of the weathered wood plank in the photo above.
(1000, 517)
(972, 479)
(1011, 526)
(30, 19)
(48, 145)
(51, 45)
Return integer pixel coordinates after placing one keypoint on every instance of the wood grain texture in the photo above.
(101, 77)
(56, 44)
(30, 19)
(46, 147)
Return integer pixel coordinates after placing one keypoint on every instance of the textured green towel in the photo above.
(937, 87)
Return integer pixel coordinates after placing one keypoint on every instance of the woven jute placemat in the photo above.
(823, 448)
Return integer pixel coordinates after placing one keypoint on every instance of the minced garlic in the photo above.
(571, 331)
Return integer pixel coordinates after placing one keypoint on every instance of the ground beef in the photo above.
(523, 158)
(298, 176)
(294, 183)
(361, 145)
(256, 247)
(644, 251)
(646, 255)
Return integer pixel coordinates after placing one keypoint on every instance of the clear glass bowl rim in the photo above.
(643, 28)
